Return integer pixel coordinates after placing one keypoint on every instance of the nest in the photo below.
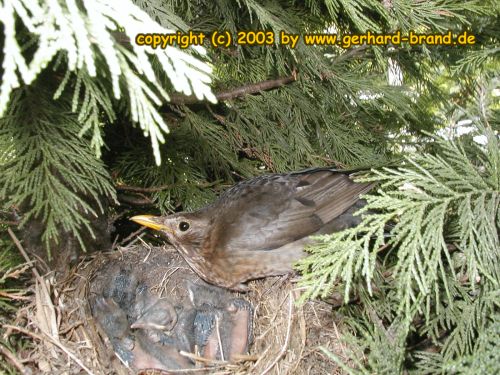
(287, 339)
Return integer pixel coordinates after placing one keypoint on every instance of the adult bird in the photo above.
(259, 227)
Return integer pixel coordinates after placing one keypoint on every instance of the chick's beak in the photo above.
(150, 221)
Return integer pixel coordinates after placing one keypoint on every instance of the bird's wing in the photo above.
(271, 211)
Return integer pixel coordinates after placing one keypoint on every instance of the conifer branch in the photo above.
(442, 268)
(135, 200)
(153, 189)
(252, 88)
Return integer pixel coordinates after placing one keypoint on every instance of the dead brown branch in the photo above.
(154, 189)
(252, 88)
(134, 200)
(12, 359)
(53, 341)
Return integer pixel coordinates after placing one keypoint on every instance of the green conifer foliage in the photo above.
(436, 274)
(49, 172)
(89, 118)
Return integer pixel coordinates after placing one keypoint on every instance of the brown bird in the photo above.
(259, 227)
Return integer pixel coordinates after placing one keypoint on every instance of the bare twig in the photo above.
(198, 358)
(55, 342)
(219, 118)
(219, 340)
(44, 308)
(339, 340)
(329, 161)
(24, 254)
(276, 312)
(138, 238)
(252, 88)
(9, 222)
(244, 358)
(154, 189)
(71, 326)
(14, 296)
(13, 359)
(129, 237)
(303, 335)
(140, 189)
(115, 217)
(115, 242)
(135, 201)
(262, 356)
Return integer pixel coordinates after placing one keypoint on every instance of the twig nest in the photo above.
(143, 307)
(157, 313)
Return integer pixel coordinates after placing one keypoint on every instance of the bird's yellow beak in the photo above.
(150, 221)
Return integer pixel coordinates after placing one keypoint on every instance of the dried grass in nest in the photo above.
(68, 340)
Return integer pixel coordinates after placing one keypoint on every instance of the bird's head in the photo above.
(185, 231)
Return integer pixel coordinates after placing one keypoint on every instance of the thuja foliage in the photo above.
(84, 73)
(84, 40)
(48, 170)
(341, 110)
(334, 107)
(425, 262)
(78, 95)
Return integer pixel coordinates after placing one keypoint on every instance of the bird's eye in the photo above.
(183, 226)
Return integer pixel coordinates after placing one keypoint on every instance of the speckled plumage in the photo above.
(259, 227)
